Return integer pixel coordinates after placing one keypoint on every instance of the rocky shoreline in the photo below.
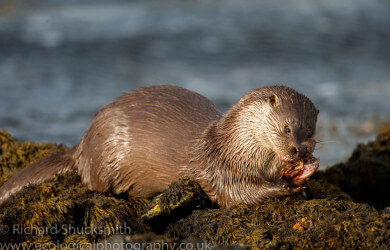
(345, 206)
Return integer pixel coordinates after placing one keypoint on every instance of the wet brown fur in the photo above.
(151, 137)
(236, 158)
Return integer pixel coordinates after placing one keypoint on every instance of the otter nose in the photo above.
(300, 151)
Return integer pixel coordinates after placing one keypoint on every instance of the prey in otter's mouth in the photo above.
(297, 171)
(300, 170)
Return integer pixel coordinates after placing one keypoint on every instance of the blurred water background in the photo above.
(62, 60)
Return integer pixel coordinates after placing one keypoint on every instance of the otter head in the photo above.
(281, 120)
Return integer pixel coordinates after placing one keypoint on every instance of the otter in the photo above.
(150, 137)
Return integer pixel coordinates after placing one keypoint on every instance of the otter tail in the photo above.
(36, 173)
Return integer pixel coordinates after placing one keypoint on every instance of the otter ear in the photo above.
(272, 99)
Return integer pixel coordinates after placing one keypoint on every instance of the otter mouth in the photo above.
(284, 158)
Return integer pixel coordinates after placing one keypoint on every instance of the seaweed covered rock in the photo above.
(178, 201)
(15, 155)
(154, 241)
(62, 210)
(334, 223)
(328, 217)
(366, 174)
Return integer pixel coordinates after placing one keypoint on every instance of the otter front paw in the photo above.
(283, 188)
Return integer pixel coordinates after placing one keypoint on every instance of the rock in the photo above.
(330, 216)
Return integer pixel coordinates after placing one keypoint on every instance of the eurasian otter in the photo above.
(151, 137)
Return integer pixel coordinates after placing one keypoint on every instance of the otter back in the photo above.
(138, 143)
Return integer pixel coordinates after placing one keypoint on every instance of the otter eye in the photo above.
(287, 130)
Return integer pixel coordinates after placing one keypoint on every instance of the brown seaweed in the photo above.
(330, 215)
